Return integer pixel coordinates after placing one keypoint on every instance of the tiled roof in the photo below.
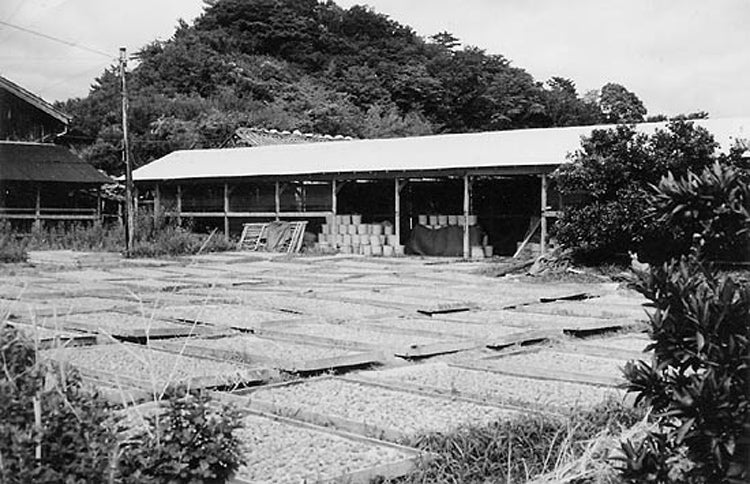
(265, 137)
(43, 162)
(34, 100)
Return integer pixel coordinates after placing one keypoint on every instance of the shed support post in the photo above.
(334, 192)
(99, 205)
(38, 206)
(135, 203)
(467, 212)
(277, 200)
(226, 211)
(543, 236)
(397, 209)
(157, 202)
(179, 204)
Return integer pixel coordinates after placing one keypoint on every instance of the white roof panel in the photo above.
(493, 150)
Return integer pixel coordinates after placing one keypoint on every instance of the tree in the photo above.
(608, 186)
(446, 40)
(564, 107)
(313, 66)
(620, 105)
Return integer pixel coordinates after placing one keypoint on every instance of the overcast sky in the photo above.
(678, 56)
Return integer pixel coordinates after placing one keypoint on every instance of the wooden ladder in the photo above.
(253, 236)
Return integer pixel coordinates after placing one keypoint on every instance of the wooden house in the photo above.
(39, 180)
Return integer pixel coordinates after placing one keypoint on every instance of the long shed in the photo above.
(503, 176)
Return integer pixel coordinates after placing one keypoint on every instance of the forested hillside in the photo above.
(315, 67)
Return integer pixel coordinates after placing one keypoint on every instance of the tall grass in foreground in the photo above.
(55, 427)
(519, 450)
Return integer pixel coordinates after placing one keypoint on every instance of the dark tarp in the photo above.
(446, 241)
(40, 162)
(278, 235)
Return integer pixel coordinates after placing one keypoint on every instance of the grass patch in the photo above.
(518, 450)
(158, 237)
(12, 248)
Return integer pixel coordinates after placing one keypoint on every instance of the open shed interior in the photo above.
(506, 207)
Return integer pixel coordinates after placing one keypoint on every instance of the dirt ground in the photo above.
(371, 348)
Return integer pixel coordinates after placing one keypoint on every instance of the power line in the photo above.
(56, 39)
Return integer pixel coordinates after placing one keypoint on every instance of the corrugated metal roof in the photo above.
(45, 163)
(500, 150)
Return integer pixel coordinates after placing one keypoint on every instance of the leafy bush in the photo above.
(607, 188)
(714, 204)
(698, 381)
(12, 249)
(190, 441)
(49, 431)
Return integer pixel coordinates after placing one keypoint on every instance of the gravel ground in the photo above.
(147, 365)
(629, 343)
(462, 330)
(45, 334)
(603, 311)
(533, 320)
(407, 413)
(494, 387)
(231, 315)
(114, 323)
(363, 335)
(283, 453)
(554, 360)
(253, 346)
(381, 297)
(322, 307)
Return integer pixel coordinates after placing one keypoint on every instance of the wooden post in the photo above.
(543, 237)
(99, 205)
(397, 209)
(179, 204)
(334, 191)
(277, 197)
(38, 206)
(157, 202)
(226, 211)
(467, 210)
(135, 202)
(130, 207)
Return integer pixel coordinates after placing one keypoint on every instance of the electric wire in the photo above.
(57, 39)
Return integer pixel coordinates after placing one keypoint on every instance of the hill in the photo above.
(315, 67)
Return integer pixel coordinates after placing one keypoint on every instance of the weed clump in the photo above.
(517, 450)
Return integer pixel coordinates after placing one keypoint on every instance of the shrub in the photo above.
(12, 249)
(190, 441)
(714, 204)
(76, 236)
(50, 431)
(607, 190)
(698, 381)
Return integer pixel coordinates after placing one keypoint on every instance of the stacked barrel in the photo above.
(349, 235)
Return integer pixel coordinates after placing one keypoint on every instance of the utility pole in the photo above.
(129, 209)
